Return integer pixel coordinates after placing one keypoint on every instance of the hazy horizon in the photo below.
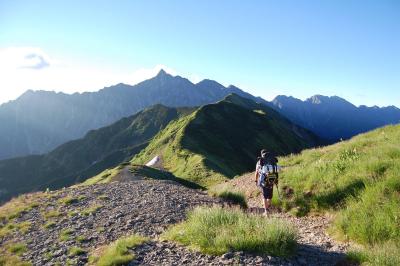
(267, 48)
(302, 99)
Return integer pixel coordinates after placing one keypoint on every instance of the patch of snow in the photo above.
(153, 161)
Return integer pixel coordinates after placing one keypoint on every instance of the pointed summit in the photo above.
(330, 100)
(162, 73)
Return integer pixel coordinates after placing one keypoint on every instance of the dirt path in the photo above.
(147, 207)
(316, 247)
(126, 175)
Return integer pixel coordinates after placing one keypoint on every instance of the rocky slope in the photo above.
(89, 217)
(99, 214)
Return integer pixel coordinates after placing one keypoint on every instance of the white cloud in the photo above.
(24, 68)
(194, 78)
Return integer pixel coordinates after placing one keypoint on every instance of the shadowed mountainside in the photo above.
(222, 140)
(77, 160)
(39, 121)
(334, 118)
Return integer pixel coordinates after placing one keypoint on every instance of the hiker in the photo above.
(266, 176)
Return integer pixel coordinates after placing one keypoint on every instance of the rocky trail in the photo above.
(99, 214)
(91, 216)
(316, 247)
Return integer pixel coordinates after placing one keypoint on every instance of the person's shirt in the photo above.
(258, 167)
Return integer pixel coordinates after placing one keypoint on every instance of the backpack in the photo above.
(269, 171)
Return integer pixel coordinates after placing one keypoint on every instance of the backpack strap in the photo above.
(261, 161)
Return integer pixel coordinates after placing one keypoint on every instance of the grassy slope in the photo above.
(217, 230)
(77, 160)
(222, 140)
(358, 180)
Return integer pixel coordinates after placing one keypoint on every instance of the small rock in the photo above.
(58, 253)
(259, 259)
(228, 255)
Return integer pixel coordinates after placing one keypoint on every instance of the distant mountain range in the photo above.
(334, 118)
(228, 134)
(39, 121)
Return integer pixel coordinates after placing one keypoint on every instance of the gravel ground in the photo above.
(148, 207)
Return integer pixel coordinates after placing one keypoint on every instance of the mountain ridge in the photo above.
(334, 118)
(39, 121)
(223, 139)
(79, 159)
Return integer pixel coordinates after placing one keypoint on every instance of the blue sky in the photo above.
(299, 48)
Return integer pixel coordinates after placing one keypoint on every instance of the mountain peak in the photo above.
(336, 100)
(317, 99)
(162, 73)
(285, 98)
(232, 97)
(234, 88)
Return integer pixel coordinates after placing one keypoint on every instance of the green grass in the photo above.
(11, 228)
(103, 197)
(374, 216)
(338, 172)
(81, 239)
(12, 260)
(234, 198)
(196, 147)
(81, 198)
(103, 177)
(117, 253)
(66, 234)
(51, 214)
(76, 251)
(24, 227)
(181, 162)
(357, 180)
(49, 225)
(10, 254)
(7, 229)
(17, 248)
(229, 195)
(73, 213)
(383, 255)
(216, 231)
(68, 200)
(19, 205)
(91, 210)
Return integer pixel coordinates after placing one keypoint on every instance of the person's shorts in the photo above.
(267, 192)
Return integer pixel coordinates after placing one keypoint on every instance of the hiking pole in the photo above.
(277, 190)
